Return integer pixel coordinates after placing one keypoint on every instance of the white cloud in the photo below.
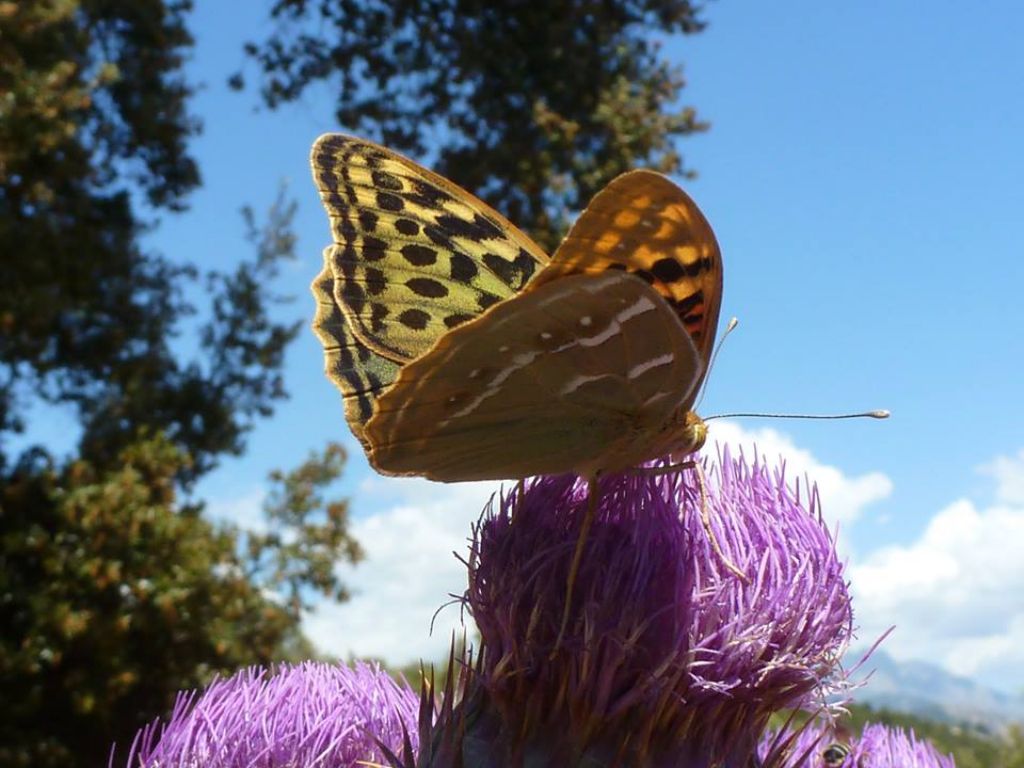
(843, 498)
(409, 572)
(1008, 472)
(955, 595)
(244, 510)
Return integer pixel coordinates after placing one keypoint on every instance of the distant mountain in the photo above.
(927, 690)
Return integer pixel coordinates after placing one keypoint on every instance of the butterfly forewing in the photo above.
(645, 224)
(579, 375)
(416, 255)
(359, 372)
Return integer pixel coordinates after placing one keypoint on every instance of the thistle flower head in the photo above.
(668, 659)
(878, 746)
(307, 715)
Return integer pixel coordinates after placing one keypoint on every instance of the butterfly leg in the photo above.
(577, 557)
(705, 509)
(705, 521)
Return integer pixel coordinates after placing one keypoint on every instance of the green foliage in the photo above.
(295, 553)
(538, 105)
(1013, 751)
(93, 117)
(114, 595)
(90, 98)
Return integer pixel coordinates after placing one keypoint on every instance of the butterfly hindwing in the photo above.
(577, 375)
(645, 224)
(416, 255)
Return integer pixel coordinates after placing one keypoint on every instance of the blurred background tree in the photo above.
(115, 590)
(534, 106)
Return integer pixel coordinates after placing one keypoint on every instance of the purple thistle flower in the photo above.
(878, 746)
(816, 744)
(668, 658)
(303, 716)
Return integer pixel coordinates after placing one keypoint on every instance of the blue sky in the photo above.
(864, 173)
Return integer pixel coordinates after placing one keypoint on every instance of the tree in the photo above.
(536, 105)
(1013, 748)
(115, 592)
(94, 128)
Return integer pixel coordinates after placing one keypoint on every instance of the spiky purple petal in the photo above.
(878, 746)
(303, 716)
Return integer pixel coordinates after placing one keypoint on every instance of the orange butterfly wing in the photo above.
(645, 224)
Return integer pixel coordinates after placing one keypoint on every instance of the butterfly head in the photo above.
(685, 434)
(694, 433)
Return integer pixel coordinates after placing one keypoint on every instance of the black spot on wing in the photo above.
(374, 281)
(415, 319)
(438, 237)
(479, 229)
(456, 319)
(344, 230)
(352, 293)
(463, 268)
(368, 221)
(419, 255)
(377, 314)
(515, 273)
(364, 353)
(374, 249)
(685, 306)
(454, 226)
(407, 227)
(487, 299)
(487, 228)
(388, 202)
(426, 195)
(425, 286)
(668, 270)
(385, 180)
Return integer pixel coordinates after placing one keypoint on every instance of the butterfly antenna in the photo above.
(714, 356)
(882, 414)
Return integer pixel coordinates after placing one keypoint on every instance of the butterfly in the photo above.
(463, 352)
